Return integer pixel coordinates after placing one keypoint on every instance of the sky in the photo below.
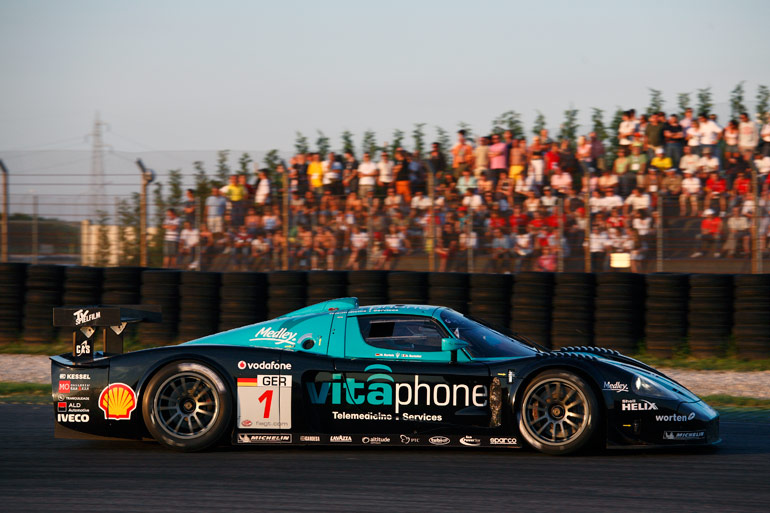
(201, 75)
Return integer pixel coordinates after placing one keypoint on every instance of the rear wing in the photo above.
(101, 323)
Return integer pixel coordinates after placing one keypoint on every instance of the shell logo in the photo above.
(117, 401)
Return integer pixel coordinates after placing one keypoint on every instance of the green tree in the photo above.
(398, 140)
(705, 102)
(369, 143)
(614, 141)
(322, 144)
(271, 160)
(736, 101)
(656, 101)
(300, 143)
(202, 182)
(683, 102)
(569, 127)
(418, 136)
(539, 124)
(763, 103)
(103, 245)
(175, 190)
(243, 164)
(347, 142)
(222, 174)
(128, 229)
(597, 124)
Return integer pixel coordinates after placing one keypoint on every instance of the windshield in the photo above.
(484, 341)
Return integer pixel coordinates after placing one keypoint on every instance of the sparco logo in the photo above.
(83, 316)
(633, 405)
(675, 418)
(470, 441)
(341, 439)
(438, 440)
(684, 435)
(616, 387)
(381, 389)
(272, 365)
(502, 441)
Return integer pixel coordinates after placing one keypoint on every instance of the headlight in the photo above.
(646, 387)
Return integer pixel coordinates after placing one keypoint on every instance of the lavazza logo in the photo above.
(634, 405)
(346, 439)
(83, 316)
(272, 365)
(616, 387)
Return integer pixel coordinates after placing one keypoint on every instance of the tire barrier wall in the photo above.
(668, 314)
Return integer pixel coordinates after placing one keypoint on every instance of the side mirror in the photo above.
(453, 345)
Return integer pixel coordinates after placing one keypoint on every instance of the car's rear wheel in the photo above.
(187, 406)
(558, 413)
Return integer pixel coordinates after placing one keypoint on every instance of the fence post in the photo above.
(147, 177)
(587, 215)
(469, 241)
(659, 235)
(560, 212)
(4, 242)
(430, 247)
(370, 231)
(35, 240)
(756, 246)
(285, 224)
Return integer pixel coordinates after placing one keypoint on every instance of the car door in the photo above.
(395, 379)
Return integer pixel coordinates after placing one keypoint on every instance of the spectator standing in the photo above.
(693, 137)
(350, 173)
(215, 211)
(332, 174)
(710, 133)
(498, 155)
(747, 137)
(765, 136)
(262, 189)
(235, 193)
(462, 154)
(315, 173)
(170, 238)
(653, 134)
(731, 135)
(500, 253)
(673, 135)
(189, 239)
(385, 176)
(189, 207)
(691, 191)
(260, 252)
(367, 175)
(626, 130)
(737, 234)
(481, 157)
(518, 159)
(401, 172)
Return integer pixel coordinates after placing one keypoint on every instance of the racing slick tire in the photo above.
(559, 413)
(187, 406)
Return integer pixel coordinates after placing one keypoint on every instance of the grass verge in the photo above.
(34, 393)
(726, 363)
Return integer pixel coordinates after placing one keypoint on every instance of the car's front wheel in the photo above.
(558, 413)
(186, 406)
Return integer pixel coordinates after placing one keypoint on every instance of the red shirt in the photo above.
(616, 221)
(520, 220)
(712, 225)
(496, 222)
(538, 223)
(551, 158)
(742, 185)
(716, 185)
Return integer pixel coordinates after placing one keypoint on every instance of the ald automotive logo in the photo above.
(381, 389)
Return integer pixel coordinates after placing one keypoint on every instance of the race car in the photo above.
(336, 373)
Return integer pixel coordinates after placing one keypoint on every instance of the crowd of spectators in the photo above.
(509, 203)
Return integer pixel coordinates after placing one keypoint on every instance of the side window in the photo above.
(401, 333)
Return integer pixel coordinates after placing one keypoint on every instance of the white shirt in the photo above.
(709, 132)
(693, 137)
(472, 201)
(262, 192)
(368, 173)
(642, 226)
(689, 162)
(330, 174)
(626, 127)
(386, 171)
(763, 165)
(595, 204)
(561, 182)
(709, 163)
(359, 240)
(765, 133)
(609, 202)
(190, 237)
(420, 203)
(599, 242)
(638, 202)
(394, 240)
(691, 185)
(747, 134)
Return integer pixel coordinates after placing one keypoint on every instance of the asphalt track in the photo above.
(40, 473)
